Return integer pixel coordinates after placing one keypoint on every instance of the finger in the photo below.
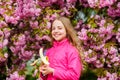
(45, 65)
(44, 72)
(41, 69)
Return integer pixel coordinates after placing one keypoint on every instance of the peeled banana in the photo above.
(43, 58)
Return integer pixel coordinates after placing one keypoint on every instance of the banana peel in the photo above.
(44, 59)
(33, 64)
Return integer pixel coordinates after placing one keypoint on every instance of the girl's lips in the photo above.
(56, 35)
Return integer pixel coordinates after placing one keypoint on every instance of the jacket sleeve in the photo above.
(74, 68)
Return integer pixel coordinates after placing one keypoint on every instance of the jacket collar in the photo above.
(60, 43)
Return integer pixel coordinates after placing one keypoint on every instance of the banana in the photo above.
(32, 64)
(43, 58)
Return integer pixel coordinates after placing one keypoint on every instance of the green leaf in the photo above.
(5, 49)
(100, 71)
(74, 22)
(88, 75)
(81, 15)
(29, 77)
(29, 68)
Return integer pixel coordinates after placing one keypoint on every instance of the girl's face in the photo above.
(58, 30)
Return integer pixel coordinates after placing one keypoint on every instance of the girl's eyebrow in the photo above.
(59, 26)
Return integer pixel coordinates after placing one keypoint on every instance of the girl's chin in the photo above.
(57, 39)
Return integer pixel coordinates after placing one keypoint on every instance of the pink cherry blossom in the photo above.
(15, 76)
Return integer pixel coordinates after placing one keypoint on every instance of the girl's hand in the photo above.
(46, 69)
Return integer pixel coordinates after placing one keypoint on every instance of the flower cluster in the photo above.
(26, 9)
(97, 3)
(114, 11)
(15, 76)
(100, 40)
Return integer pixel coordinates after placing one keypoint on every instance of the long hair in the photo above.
(71, 33)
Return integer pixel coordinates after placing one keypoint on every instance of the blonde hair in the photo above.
(71, 33)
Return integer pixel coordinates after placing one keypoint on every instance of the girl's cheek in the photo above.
(52, 32)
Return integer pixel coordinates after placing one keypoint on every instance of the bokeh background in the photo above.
(24, 29)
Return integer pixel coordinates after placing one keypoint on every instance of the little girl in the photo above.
(64, 55)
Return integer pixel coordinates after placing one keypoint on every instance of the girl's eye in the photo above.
(59, 27)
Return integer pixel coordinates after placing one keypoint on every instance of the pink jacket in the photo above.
(64, 58)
